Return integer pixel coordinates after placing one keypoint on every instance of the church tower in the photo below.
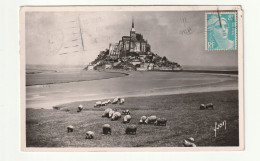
(132, 37)
(132, 31)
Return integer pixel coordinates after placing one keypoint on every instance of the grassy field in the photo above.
(47, 128)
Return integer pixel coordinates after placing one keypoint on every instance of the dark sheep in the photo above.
(70, 128)
(126, 112)
(106, 129)
(160, 122)
(131, 130)
(210, 106)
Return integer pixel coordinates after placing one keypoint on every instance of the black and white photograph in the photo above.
(126, 77)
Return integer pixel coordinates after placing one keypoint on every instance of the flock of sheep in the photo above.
(131, 129)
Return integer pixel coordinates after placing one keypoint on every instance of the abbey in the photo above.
(135, 43)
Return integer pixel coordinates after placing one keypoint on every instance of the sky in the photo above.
(53, 37)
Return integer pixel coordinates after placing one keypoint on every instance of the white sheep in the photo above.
(80, 108)
(70, 128)
(106, 112)
(111, 113)
(151, 120)
(142, 120)
(90, 135)
(189, 142)
(115, 100)
(127, 119)
(116, 116)
(121, 101)
(98, 104)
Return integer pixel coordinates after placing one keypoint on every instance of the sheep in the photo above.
(70, 128)
(126, 112)
(116, 116)
(106, 129)
(108, 101)
(142, 120)
(131, 129)
(202, 107)
(106, 112)
(210, 106)
(111, 113)
(151, 120)
(104, 103)
(98, 104)
(160, 122)
(121, 101)
(115, 100)
(127, 119)
(189, 142)
(89, 135)
(80, 108)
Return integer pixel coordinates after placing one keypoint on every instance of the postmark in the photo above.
(221, 31)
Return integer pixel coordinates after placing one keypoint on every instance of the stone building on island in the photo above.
(132, 52)
(135, 43)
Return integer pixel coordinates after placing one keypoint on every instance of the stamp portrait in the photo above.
(221, 31)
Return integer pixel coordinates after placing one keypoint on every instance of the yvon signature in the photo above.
(219, 126)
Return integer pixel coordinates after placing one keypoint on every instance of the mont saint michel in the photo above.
(132, 52)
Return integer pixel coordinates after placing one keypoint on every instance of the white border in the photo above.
(128, 8)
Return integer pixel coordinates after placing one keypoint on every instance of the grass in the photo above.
(47, 128)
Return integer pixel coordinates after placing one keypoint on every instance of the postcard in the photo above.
(131, 78)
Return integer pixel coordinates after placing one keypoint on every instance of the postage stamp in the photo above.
(221, 30)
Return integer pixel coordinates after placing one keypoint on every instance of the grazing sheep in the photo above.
(115, 101)
(142, 120)
(108, 101)
(121, 101)
(111, 113)
(210, 106)
(126, 112)
(202, 107)
(160, 122)
(70, 128)
(131, 129)
(89, 135)
(80, 108)
(106, 129)
(127, 119)
(106, 112)
(151, 120)
(98, 104)
(116, 116)
(104, 103)
(189, 142)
